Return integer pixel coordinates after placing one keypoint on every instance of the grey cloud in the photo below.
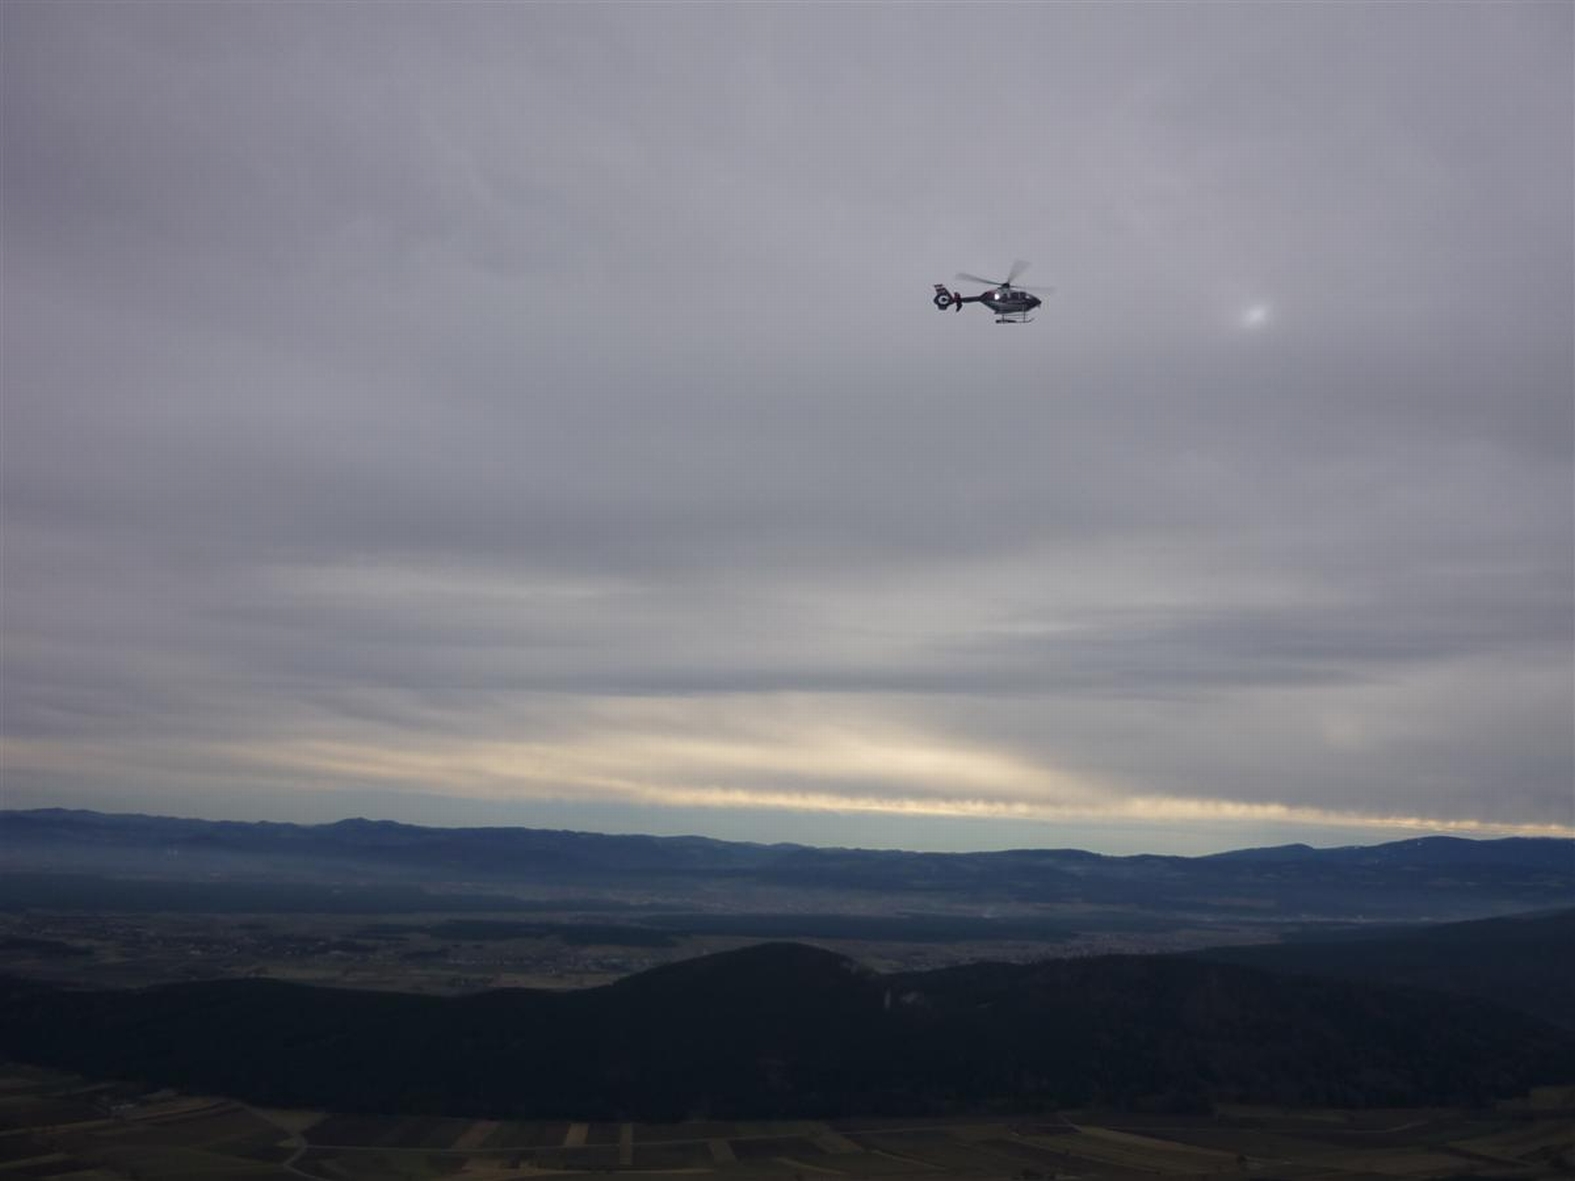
(631, 299)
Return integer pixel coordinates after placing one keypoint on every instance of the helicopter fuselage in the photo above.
(1007, 301)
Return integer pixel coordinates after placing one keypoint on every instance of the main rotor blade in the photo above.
(967, 278)
(1018, 268)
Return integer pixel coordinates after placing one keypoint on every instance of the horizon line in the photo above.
(1561, 833)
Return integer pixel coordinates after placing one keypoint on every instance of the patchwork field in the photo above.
(57, 1126)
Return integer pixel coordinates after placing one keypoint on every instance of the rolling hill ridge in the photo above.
(1525, 962)
(785, 1030)
(1435, 878)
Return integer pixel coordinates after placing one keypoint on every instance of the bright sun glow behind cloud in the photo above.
(798, 765)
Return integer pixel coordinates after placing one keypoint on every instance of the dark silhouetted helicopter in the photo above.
(1010, 303)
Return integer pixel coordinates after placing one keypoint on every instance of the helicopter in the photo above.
(1010, 303)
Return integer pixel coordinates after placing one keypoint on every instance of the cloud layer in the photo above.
(543, 402)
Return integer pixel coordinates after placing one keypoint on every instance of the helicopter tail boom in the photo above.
(947, 299)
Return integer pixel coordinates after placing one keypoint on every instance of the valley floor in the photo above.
(454, 954)
(60, 1126)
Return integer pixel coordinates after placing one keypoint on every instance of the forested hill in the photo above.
(1526, 962)
(784, 1030)
(1432, 877)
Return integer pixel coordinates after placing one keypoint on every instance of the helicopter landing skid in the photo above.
(1014, 320)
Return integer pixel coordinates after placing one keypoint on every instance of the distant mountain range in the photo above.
(785, 1030)
(1430, 877)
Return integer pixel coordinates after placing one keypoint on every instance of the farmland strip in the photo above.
(475, 1135)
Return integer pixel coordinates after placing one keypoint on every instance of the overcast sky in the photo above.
(535, 413)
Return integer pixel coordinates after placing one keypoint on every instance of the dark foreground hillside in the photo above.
(1524, 962)
(785, 1030)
